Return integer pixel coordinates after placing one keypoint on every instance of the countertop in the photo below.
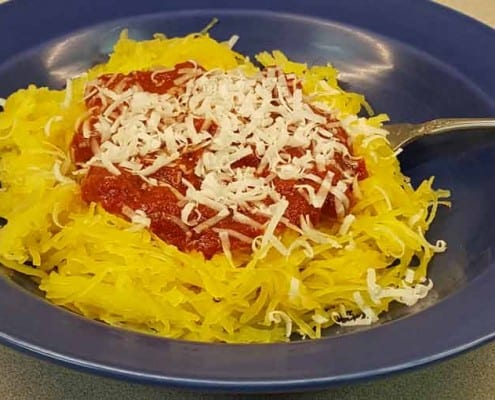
(467, 376)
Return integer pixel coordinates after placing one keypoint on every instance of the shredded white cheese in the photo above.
(319, 319)
(440, 246)
(280, 316)
(409, 278)
(59, 175)
(68, 94)
(224, 240)
(138, 218)
(232, 41)
(367, 317)
(346, 224)
(406, 294)
(294, 288)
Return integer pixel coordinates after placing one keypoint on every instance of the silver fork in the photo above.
(401, 135)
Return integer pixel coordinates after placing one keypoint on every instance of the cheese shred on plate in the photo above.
(286, 283)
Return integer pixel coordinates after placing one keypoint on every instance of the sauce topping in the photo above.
(213, 160)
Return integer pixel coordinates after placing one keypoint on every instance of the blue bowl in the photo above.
(414, 60)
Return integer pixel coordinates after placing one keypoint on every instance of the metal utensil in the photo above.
(401, 135)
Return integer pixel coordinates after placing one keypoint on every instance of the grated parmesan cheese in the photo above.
(408, 295)
(58, 175)
(294, 288)
(68, 94)
(279, 316)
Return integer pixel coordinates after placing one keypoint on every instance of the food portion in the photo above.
(213, 160)
(184, 190)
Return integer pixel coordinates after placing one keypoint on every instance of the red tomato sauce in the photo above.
(162, 204)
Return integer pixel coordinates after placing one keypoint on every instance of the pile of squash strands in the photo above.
(99, 265)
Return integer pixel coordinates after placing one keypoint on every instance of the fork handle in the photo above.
(402, 134)
(438, 126)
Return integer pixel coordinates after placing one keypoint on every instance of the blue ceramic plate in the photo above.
(413, 59)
